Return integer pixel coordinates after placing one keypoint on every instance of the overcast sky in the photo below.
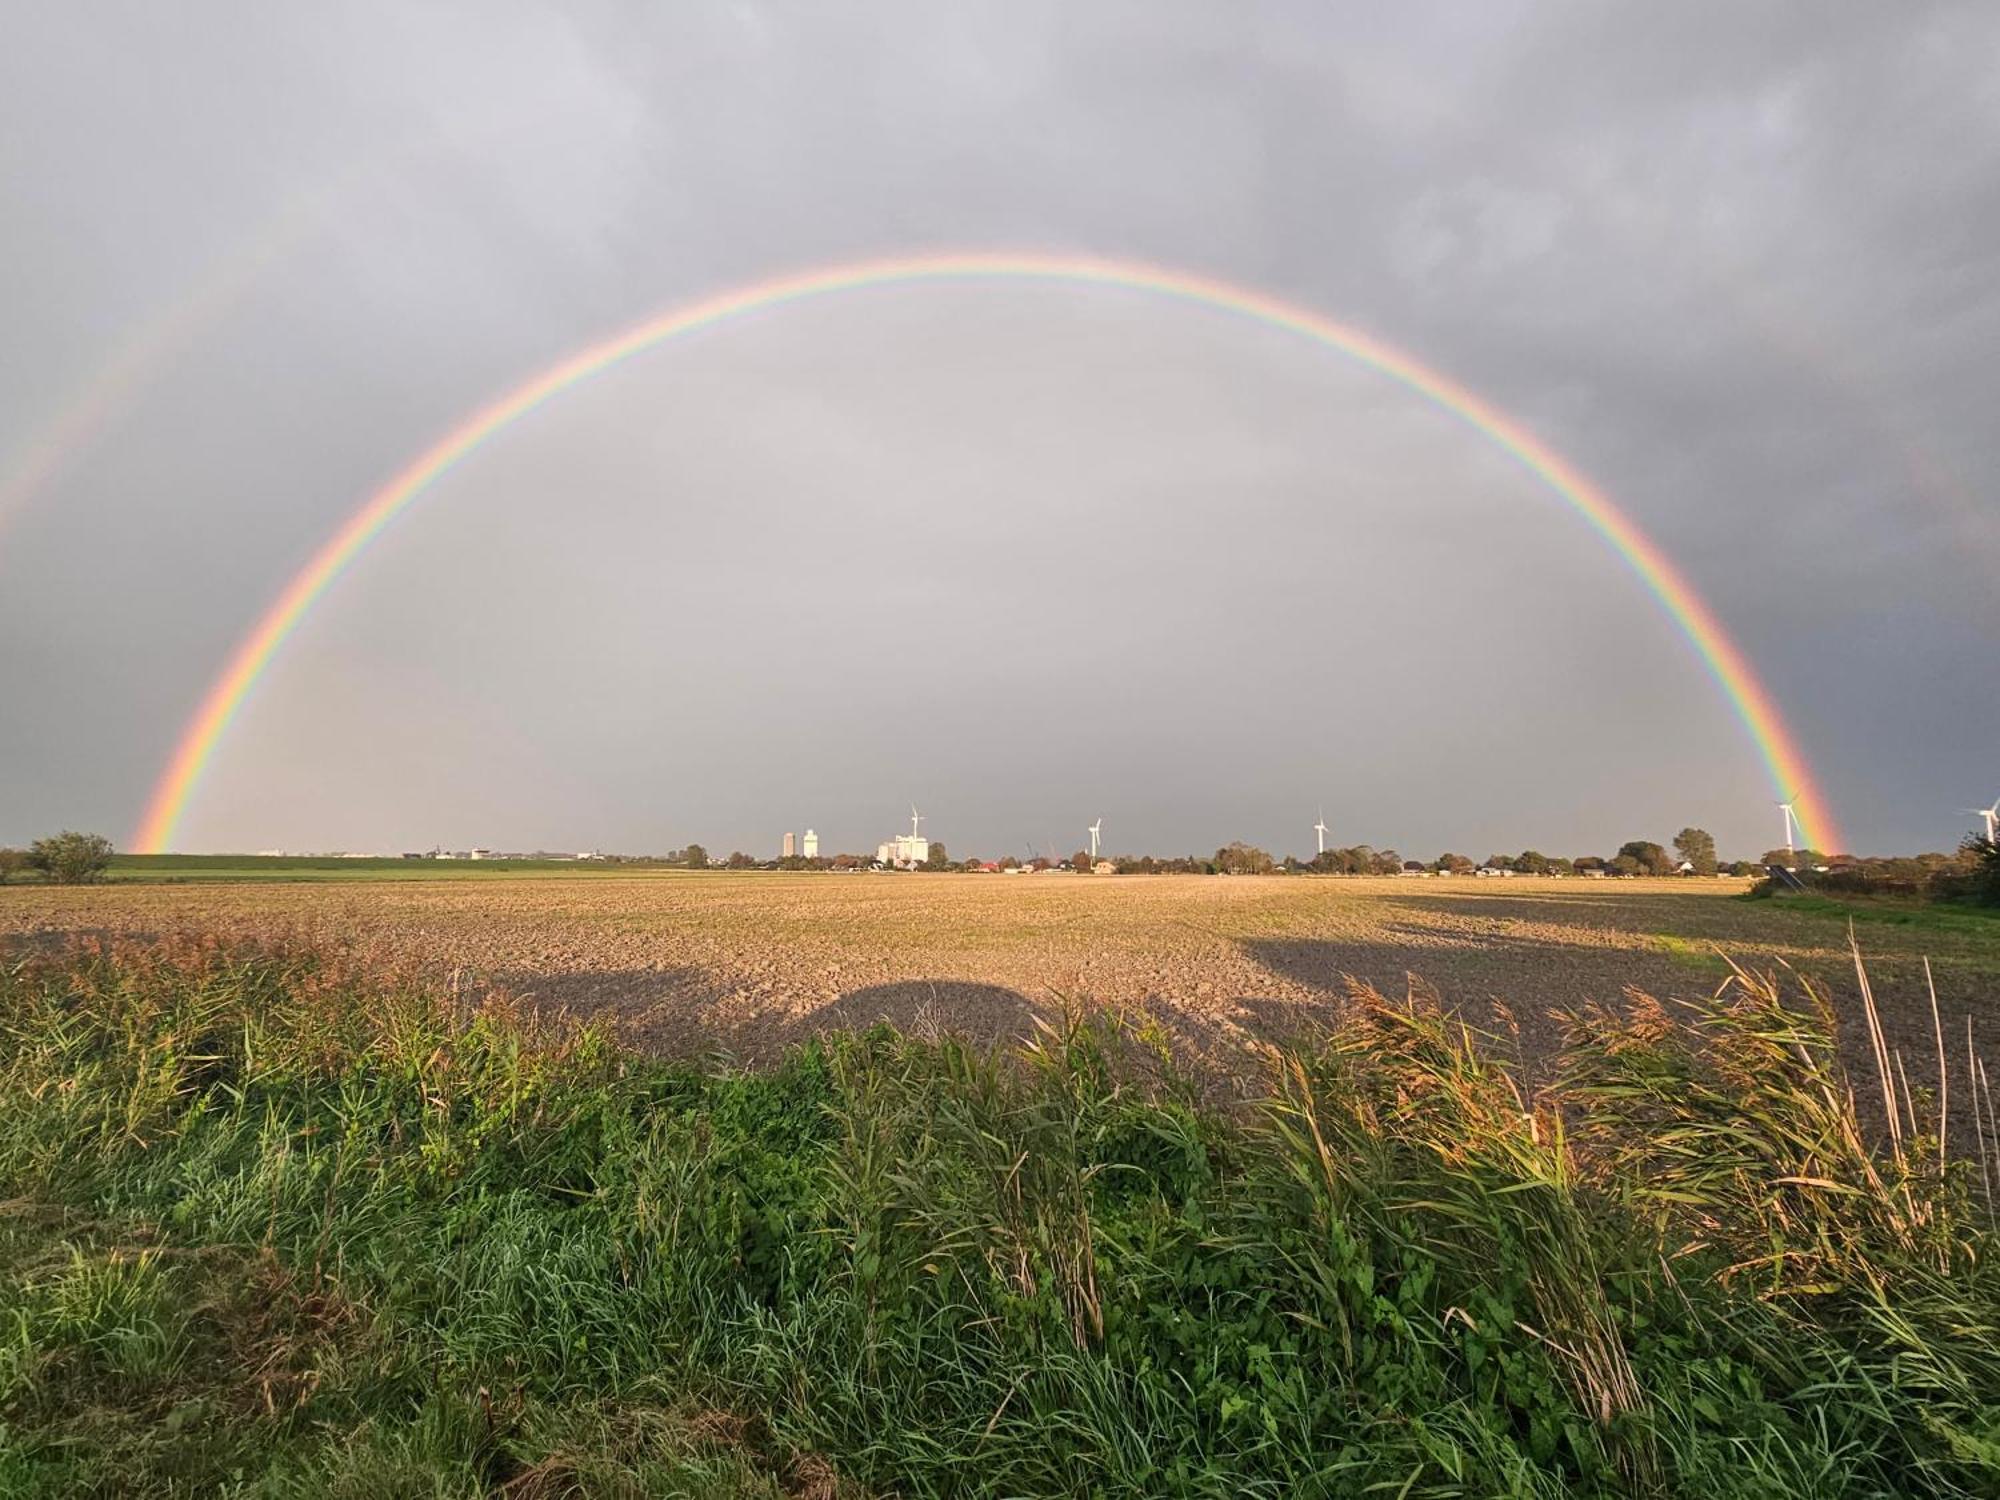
(1025, 554)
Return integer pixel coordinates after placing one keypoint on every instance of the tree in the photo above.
(1625, 864)
(12, 862)
(1649, 857)
(1743, 867)
(1240, 858)
(1696, 847)
(937, 859)
(1080, 861)
(1985, 856)
(741, 861)
(1532, 862)
(1455, 864)
(71, 858)
(1357, 859)
(696, 857)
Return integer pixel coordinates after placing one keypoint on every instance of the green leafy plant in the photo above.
(71, 858)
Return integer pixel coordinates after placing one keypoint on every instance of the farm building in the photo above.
(906, 849)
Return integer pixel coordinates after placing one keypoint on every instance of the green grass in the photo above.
(1966, 920)
(183, 868)
(1700, 957)
(273, 1228)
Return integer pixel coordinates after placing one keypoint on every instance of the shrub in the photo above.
(1983, 884)
(71, 858)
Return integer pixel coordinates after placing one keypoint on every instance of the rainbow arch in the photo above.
(1790, 775)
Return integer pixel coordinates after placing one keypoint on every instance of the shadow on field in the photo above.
(1591, 910)
(49, 941)
(666, 1011)
(1765, 937)
(928, 1009)
(689, 1012)
(1532, 977)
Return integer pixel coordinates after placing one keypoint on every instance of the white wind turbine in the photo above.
(916, 822)
(1095, 829)
(1319, 829)
(1791, 813)
(1990, 814)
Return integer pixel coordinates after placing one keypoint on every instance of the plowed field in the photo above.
(748, 962)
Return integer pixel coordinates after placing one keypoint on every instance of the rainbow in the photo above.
(1790, 776)
(140, 360)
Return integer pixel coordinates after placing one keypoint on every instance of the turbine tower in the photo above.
(1095, 829)
(1791, 812)
(1990, 814)
(1319, 829)
(916, 821)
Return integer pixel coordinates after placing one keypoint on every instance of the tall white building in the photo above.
(811, 845)
(791, 845)
(906, 849)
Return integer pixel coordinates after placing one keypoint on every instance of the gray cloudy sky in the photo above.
(1025, 554)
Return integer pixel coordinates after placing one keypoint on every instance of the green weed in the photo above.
(274, 1227)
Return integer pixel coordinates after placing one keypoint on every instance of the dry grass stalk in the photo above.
(1978, 1125)
(1909, 1105)
(1992, 1131)
(1879, 1045)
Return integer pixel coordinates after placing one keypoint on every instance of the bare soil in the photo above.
(745, 963)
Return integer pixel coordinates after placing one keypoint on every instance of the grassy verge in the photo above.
(272, 1228)
(1960, 919)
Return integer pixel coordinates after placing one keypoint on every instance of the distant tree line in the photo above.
(1359, 859)
(1693, 852)
(1971, 873)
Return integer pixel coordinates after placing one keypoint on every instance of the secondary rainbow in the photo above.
(1790, 775)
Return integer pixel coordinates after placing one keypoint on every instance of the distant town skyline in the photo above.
(913, 849)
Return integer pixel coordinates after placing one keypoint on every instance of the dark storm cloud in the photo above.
(1733, 260)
